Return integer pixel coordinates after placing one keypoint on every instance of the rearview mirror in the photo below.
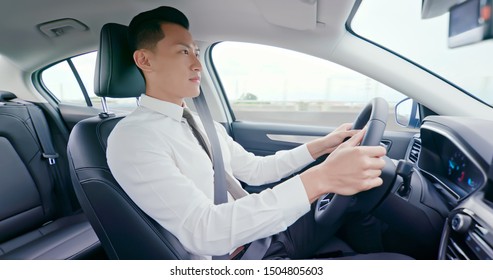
(407, 113)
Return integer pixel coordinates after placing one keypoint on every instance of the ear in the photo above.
(141, 59)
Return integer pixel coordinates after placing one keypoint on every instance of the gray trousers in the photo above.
(306, 239)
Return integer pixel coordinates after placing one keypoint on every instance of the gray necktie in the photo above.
(196, 132)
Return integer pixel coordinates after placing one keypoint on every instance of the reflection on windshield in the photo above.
(397, 25)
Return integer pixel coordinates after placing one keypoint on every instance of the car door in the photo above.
(277, 99)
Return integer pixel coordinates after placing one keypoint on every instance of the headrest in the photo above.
(116, 75)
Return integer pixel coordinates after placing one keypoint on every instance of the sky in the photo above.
(425, 41)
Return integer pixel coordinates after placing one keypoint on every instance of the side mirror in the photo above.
(407, 113)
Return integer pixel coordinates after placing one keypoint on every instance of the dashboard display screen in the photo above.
(460, 170)
(464, 17)
(451, 163)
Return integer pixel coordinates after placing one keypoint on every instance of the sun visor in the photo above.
(295, 14)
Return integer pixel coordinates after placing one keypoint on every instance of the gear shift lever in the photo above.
(405, 170)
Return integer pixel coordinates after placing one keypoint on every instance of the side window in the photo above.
(72, 81)
(268, 84)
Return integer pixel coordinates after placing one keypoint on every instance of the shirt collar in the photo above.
(163, 107)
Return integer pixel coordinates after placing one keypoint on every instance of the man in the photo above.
(158, 161)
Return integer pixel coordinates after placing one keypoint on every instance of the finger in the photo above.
(345, 126)
(348, 133)
(355, 139)
(373, 164)
(373, 151)
(372, 173)
(372, 183)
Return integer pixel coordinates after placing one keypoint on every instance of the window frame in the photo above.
(228, 108)
(48, 94)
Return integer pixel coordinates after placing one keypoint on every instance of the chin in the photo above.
(194, 93)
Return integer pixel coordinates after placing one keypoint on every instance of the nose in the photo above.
(196, 65)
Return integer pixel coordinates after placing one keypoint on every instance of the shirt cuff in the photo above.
(302, 154)
(293, 201)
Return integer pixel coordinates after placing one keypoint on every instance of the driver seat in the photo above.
(124, 230)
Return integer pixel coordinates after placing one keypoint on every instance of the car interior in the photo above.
(38, 217)
(59, 200)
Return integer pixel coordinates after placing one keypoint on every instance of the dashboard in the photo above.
(449, 160)
(453, 156)
(464, 176)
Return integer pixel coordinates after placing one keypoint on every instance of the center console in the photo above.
(467, 235)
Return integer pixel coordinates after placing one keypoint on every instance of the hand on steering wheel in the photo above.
(330, 208)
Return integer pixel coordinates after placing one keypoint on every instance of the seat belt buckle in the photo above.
(51, 157)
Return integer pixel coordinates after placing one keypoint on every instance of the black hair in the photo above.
(144, 31)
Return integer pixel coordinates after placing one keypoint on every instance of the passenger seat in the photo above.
(34, 224)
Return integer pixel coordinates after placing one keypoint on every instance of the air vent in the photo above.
(415, 149)
(467, 242)
(454, 252)
(476, 240)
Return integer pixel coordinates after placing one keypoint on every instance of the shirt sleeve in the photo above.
(146, 170)
(258, 170)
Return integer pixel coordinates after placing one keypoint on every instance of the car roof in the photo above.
(36, 32)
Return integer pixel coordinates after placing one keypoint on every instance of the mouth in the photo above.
(195, 80)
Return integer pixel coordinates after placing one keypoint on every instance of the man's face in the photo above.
(173, 71)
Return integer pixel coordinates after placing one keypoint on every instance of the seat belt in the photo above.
(220, 192)
(48, 152)
(257, 249)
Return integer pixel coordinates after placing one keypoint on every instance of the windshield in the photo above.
(397, 25)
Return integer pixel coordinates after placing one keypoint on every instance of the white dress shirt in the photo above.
(156, 159)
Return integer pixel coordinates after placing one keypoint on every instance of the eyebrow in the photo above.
(191, 46)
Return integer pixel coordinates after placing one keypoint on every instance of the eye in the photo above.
(185, 52)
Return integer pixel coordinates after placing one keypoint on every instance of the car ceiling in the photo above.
(264, 21)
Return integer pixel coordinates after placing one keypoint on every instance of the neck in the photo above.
(165, 97)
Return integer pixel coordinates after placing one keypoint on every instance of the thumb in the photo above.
(356, 139)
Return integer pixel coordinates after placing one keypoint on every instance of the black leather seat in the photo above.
(124, 230)
(32, 224)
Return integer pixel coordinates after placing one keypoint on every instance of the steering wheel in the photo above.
(331, 208)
